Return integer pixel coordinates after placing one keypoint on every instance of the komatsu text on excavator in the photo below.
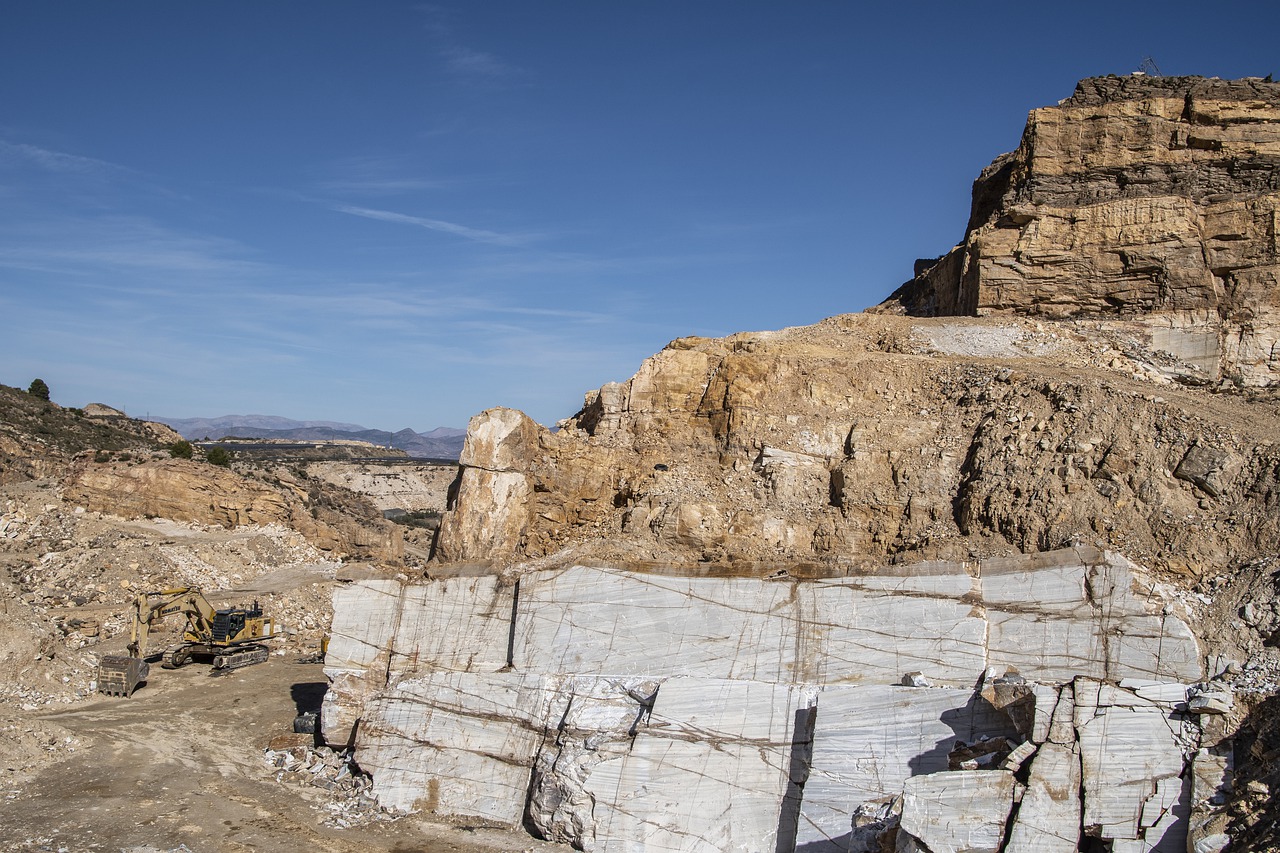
(231, 637)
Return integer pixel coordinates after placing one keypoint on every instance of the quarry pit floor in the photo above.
(179, 766)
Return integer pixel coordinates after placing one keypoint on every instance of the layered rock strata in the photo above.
(1151, 198)
(620, 710)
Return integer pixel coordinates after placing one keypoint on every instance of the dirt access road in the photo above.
(179, 766)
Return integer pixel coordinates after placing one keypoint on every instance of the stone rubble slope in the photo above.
(184, 490)
(617, 710)
(72, 576)
(92, 513)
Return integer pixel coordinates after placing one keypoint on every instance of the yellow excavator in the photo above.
(231, 637)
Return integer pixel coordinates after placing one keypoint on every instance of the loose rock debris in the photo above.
(351, 800)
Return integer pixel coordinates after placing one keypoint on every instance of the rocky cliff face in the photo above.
(768, 569)
(1148, 198)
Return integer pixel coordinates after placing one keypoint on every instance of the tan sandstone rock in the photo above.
(1146, 197)
(183, 490)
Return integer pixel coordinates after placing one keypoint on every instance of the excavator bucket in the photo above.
(119, 675)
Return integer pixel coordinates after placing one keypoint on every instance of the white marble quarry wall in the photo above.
(1041, 616)
(622, 711)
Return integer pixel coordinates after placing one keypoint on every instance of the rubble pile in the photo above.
(350, 799)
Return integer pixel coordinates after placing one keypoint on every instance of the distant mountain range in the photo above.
(439, 443)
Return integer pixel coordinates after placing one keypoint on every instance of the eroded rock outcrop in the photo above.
(1152, 198)
(866, 438)
(207, 494)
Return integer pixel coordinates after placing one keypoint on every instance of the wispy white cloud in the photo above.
(479, 235)
(381, 186)
(398, 303)
(463, 61)
(176, 259)
(474, 63)
(55, 161)
(378, 175)
(73, 246)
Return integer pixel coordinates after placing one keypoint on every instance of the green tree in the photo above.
(218, 456)
(181, 449)
(38, 389)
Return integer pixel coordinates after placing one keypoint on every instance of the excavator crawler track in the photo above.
(244, 656)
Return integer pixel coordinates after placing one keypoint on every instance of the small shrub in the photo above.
(181, 449)
(102, 456)
(39, 389)
(218, 456)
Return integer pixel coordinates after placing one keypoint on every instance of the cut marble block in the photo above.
(1052, 583)
(1128, 749)
(599, 722)
(594, 621)
(619, 710)
(1062, 729)
(1160, 648)
(868, 740)
(934, 578)
(709, 770)
(869, 631)
(1048, 819)
(935, 618)
(1075, 612)
(1170, 693)
(1114, 587)
(461, 623)
(963, 811)
(1046, 647)
(1046, 703)
(1165, 819)
(365, 616)
(456, 744)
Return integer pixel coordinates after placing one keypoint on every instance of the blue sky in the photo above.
(399, 214)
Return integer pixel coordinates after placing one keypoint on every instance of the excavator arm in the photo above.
(150, 607)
